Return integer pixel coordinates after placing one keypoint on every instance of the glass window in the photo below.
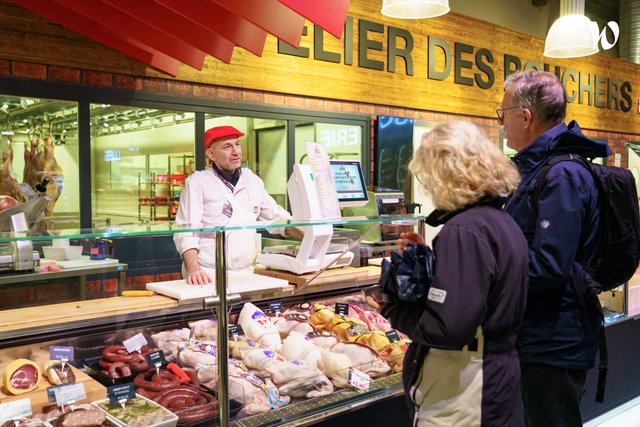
(264, 149)
(140, 159)
(39, 151)
(342, 141)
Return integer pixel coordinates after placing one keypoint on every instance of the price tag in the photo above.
(59, 352)
(51, 392)
(135, 343)
(118, 394)
(70, 393)
(393, 336)
(342, 308)
(156, 359)
(359, 379)
(15, 409)
(276, 308)
(235, 331)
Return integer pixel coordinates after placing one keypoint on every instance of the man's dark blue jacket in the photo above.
(564, 228)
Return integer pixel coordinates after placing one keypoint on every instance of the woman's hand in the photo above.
(373, 298)
(408, 238)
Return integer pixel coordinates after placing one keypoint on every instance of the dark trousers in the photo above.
(551, 395)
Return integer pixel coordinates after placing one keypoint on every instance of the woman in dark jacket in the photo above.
(462, 368)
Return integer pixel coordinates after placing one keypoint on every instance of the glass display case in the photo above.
(294, 349)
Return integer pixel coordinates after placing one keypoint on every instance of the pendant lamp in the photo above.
(572, 35)
(414, 9)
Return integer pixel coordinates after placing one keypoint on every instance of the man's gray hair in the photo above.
(540, 92)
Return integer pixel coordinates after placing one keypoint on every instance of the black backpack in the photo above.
(618, 251)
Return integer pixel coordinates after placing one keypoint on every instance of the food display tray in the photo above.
(93, 369)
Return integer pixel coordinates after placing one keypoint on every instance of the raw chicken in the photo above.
(170, 341)
(297, 347)
(258, 327)
(363, 358)
(205, 329)
(295, 378)
(292, 322)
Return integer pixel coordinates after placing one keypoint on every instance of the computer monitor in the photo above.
(349, 181)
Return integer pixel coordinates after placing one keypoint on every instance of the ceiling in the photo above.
(167, 33)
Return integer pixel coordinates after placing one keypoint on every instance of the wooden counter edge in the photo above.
(27, 317)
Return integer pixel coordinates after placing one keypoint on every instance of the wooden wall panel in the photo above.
(25, 36)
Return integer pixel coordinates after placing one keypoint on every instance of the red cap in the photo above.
(220, 132)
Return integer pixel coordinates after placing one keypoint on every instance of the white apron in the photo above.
(240, 246)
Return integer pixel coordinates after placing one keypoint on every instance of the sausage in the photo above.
(152, 381)
(138, 363)
(117, 353)
(104, 364)
(190, 415)
(188, 403)
(119, 370)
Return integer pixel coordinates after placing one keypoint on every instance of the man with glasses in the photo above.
(557, 342)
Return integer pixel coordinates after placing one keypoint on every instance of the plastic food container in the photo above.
(159, 417)
(62, 253)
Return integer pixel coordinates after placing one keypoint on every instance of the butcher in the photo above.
(224, 194)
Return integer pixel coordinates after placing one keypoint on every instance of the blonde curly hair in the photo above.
(457, 165)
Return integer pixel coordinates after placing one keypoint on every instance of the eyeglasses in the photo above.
(500, 112)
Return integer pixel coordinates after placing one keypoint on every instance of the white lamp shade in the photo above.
(414, 9)
(571, 36)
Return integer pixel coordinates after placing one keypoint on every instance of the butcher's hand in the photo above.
(195, 274)
(408, 238)
(198, 277)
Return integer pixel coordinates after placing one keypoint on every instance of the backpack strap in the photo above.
(542, 176)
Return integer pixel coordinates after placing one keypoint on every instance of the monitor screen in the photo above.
(349, 181)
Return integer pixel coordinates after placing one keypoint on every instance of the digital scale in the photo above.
(19, 254)
(316, 252)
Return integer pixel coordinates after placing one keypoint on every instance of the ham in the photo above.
(21, 376)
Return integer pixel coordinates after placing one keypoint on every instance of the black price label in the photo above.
(276, 308)
(121, 393)
(235, 331)
(392, 335)
(156, 359)
(342, 308)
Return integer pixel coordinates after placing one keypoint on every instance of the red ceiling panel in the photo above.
(230, 26)
(328, 14)
(123, 23)
(97, 32)
(271, 16)
(165, 19)
(165, 33)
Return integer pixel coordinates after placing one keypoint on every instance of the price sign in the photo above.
(60, 352)
(156, 359)
(359, 379)
(51, 392)
(135, 343)
(15, 410)
(392, 335)
(342, 308)
(120, 393)
(276, 308)
(70, 393)
(235, 331)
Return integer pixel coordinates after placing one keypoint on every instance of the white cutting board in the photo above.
(238, 282)
(83, 262)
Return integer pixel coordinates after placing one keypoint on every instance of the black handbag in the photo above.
(407, 277)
